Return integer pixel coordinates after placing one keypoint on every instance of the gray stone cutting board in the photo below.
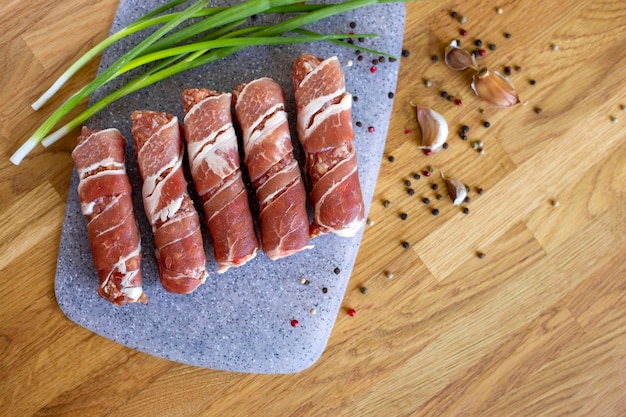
(240, 320)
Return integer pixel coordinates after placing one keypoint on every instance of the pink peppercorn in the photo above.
(463, 32)
(427, 152)
(373, 69)
(458, 102)
(407, 131)
(426, 173)
(294, 323)
(482, 52)
(370, 129)
(351, 312)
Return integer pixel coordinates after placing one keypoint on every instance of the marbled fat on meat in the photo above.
(324, 124)
(170, 211)
(275, 174)
(216, 171)
(104, 192)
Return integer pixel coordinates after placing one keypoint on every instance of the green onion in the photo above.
(218, 41)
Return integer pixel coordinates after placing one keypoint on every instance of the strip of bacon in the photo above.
(216, 171)
(170, 211)
(104, 191)
(275, 174)
(324, 126)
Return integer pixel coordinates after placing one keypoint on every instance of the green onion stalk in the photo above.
(219, 40)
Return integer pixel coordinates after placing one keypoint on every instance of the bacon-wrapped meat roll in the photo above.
(170, 211)
(275, 174)
(324, 124)
(215, 167)
(105, 197)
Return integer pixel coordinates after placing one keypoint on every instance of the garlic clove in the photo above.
(456, 190)
(434, 128)
(496, 90)
(459, 59)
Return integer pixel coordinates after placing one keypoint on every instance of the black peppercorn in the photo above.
(337, 270)
(406, 245)
(465, 210)
(492, 46)
(405, 53)
(478, 42)
(426, 200)
(487, 125)
(407, 183)
(445, 145)
(410, 191)
(444, 94)
(390, 94)
(533, 82)
(391, 158)
(417, 176)
(435, 212)
(404, 216)
(435, 187)
(507, 35)
(434, 58)
(465, 128)
(352, 25)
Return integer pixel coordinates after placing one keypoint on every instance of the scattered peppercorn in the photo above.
(478, 42)
(324, 290)
(364, 290)
(518, 68)
(507, 35)
(555, 203)
(374, 61)
(426, 173)
(425, 200)
(453, 14)
(444, 94)
(359, 58)
(407, 131)
(388, 274)
(555, 47)
(390, 94)
(294, 323)
(405, 53)
(614, 119)
(381, 59)
(373, 69)
(428, 83)
(435, 187)
(351, 312)
(352, 25)
(458, 102)
(302, 280)
(355, 98)
(465, 210)
(533, 82)
(475, 53)
(482, 52)
(312, 311)
(337, 270)
(407, 183)
(359, 124)
(492, 46)
(431, 169)
(465, 128)
(538, 110)
(439, 197)
(507, 70)
(463, 32)
(481, 151)
(475, 146)
(370, 129)
(481, 255)
(410, 191)
(435, 212)
(386, 203)
(406, 245)
(370, 222)
(404, 216)
(445, 145)
(416, 176)
(487, 125)
(462, 19)
(361, 39)
(463, 136)
(499, 10)
(467, 199)
(480, 191)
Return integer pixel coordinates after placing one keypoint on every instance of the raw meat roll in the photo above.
(105, 197)
(275, 174)
(175, 221)
(324, 126)
(215, 167)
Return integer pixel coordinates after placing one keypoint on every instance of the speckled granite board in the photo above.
(238, 321)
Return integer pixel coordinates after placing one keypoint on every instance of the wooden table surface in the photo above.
(536, 327)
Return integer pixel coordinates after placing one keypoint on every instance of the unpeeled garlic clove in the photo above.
(459, 59)
(434, 128)
(496, 90)
(456, 190)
